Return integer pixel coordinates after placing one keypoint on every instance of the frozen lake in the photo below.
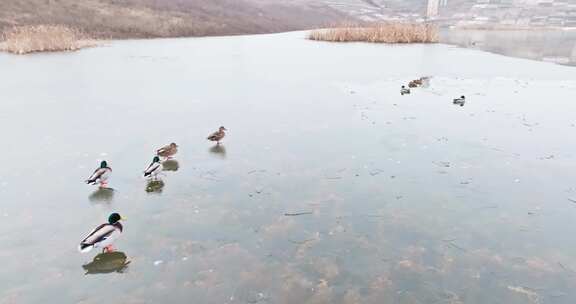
(406, 199)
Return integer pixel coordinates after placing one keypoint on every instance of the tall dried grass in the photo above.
(42, 38)
(388, 32)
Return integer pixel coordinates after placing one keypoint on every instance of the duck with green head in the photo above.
(404, 90)
(460, 101)
(154, 168)
(104, 235)
(100, 175)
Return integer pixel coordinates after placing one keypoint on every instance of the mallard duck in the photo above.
(417, 82)
(460, 101)
(100, 175)
(404, 90)
(218, 135)
(168, 151)
(103, 236)
(154, 168)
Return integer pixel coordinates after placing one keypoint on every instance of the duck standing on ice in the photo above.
(460, 101)
(100, 175)
(404, 90)
(218, 135)
(103, 236)
(167, 151)
(154, 168)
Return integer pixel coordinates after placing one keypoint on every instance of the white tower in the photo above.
(432, 10)
(434, 7)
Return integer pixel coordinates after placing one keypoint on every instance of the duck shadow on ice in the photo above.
(107, 262)
(102, 195)
(218, 151)
(155, 185)
(170, 165)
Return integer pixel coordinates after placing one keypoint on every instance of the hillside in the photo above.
(169, 18)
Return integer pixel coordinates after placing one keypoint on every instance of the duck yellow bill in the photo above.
(123, 218)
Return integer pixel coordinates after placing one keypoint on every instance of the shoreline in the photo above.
(526, 44)
(490, 41)
(509, 28)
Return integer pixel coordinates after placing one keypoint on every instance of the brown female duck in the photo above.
(217, 136)
(168, 151)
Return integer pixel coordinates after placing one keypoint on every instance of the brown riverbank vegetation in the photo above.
(42, 38)
(386, 32)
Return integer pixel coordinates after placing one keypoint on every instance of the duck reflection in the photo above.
(218, 150)
(425, 81)
(155, 186)
(102, 195)
(107, 262)
(170, 165)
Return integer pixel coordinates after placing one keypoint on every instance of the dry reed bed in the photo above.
(379, 33)
(43, 38)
